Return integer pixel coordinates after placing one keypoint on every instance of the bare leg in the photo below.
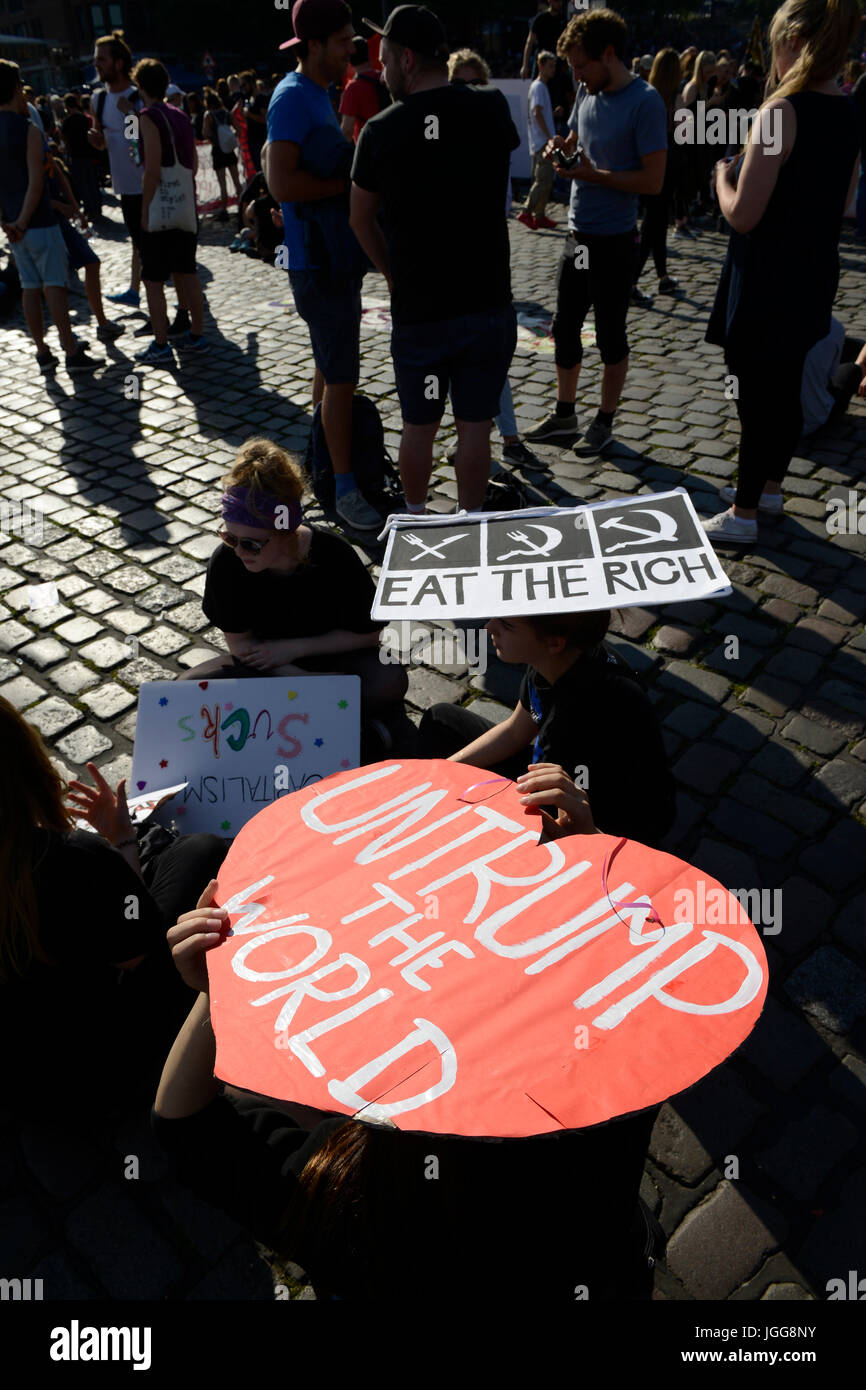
(612, 382)
(566, 383)
(190, 296)
(472, 463)
(415, 460)
(318, 387)
(31, 303)
(58, 304)
(337, 424)
(221, 180)
(94, 292)
(158, 314)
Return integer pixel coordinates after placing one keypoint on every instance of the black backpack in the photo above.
(510, 496)
(374, 471)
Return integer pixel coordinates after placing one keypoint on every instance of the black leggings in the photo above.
(654, 234)
(768, 382)
(602, 278)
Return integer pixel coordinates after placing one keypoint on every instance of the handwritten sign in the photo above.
(400, 938)
(240, 744)
(636, 550)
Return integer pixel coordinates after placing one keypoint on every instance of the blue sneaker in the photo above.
(130, 297)
(190, 344)
(157, 353)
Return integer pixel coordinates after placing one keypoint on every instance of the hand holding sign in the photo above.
(547, 784)
(193, 934)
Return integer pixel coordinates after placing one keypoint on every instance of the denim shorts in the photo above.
(331, 309)
(467, 357)
(41, 258)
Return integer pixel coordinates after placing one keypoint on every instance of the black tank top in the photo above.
(779, 281)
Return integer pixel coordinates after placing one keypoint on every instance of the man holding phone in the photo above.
(619, 119)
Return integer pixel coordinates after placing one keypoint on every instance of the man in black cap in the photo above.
(439, 149)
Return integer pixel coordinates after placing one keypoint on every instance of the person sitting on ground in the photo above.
(76, 908)
(290, 598)
(580, 707)
(260, 221)
(342, 1197)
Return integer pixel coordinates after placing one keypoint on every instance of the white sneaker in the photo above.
(730, 529)
(356, 511)
(771, 502)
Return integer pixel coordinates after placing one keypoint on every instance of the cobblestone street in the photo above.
(757, 1174)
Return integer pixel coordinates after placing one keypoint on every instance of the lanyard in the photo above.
(538, 715)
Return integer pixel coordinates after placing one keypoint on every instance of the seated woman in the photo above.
(581, 707)
(74, 912)
(291, 599)
(346, 1198)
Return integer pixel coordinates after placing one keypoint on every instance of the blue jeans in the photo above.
(505, 421)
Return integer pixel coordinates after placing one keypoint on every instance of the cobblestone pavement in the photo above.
(757, 1174)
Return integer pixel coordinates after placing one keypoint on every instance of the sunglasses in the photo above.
(245, 543)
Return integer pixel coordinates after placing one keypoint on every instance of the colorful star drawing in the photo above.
(318, 742)
(164, 762)
(163, 700)
(344, 762)
(225, 825)
(292, 694)
(342, 704)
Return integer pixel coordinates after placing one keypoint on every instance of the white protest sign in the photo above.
(240, 744)
(634, 550)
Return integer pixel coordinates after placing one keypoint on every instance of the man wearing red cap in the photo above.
(441, 146)
(327, 296)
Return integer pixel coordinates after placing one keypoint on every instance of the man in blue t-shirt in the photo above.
(326, 296)
(618, 141)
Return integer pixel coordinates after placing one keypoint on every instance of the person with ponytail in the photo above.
(347, 1197)
(664, 76)
(784, 199)
(76, 920)
(290, 598)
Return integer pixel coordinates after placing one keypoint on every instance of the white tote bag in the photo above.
(173, 206)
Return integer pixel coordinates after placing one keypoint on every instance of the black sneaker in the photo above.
(597, 438)
(525, 458)
(641, 300)
(554, 426)
(668, 285)
(181, 325)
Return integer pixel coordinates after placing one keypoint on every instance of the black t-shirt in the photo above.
(858, 96)
(515, 1204)
(547, 28)
(440, 161)
(598, 717)
(256, 132)
(74, 130)
(332, 589)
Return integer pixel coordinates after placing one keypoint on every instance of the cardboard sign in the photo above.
(636, 550)
(240, 744)
(401, 939)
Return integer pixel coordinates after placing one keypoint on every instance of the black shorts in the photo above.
(466, 357)
(167, 253)
(598, 271)
(130, 207)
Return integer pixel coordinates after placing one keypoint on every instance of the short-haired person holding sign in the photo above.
(580, 708)
(291, 599)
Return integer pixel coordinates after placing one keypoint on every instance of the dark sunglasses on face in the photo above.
(245, 543)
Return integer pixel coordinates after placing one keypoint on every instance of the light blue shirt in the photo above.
(297, 107)
(616, 130)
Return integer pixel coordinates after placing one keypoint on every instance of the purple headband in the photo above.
(235, 508)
